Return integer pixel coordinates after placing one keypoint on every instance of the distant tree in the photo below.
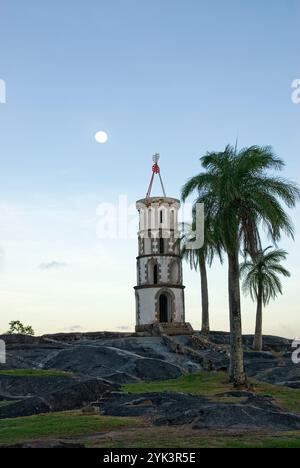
(261, 280)
(16, 327)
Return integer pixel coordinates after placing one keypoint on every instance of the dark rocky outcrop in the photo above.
(129, 357)
(284, 373)
(23, 387)
(246, 417)
(72, 338)
(101, 361)
(270, 343)
(253, 413)
(71, 397)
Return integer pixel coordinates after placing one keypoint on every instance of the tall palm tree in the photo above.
(242, 195)
(199, 259)
(261, 280)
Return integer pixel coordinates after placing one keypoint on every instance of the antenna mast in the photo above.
(155, 170)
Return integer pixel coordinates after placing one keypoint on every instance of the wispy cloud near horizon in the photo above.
(74, 328)
(52, 265)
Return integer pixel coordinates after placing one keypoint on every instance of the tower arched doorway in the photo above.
(165, 305)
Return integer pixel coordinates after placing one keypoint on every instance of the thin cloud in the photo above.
(73, 328)
(52, 266)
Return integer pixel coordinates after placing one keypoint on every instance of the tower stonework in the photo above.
(159, 292)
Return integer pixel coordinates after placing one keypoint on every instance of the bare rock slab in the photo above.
(176, 409)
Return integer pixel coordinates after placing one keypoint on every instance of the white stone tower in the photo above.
(159, 291)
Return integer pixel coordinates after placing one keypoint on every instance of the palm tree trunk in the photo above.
(258, 344)
(204, 295)
(237, 369)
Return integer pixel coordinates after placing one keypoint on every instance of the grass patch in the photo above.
(35, 373)
(57, 425)
(183, 437)
(282, 441)
(203, 383)
(212, 384)
(286, 398)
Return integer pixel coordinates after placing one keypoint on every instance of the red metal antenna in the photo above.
(155, 170)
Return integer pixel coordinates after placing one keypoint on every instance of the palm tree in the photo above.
(200, 258)
(261, 280)
(242, 195)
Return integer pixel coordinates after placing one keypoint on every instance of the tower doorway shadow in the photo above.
(164, 309)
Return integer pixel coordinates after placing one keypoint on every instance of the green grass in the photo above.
(172, 440)
(57, 425)
(212, 384)
(287, 398)
(35, 373)
(285, 441)
(203, 383)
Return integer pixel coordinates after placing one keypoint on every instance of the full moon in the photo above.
(101, 137)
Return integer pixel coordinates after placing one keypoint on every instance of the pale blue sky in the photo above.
(176, 76)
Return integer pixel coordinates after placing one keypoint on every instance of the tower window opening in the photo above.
(149, 218)
(155, 274)
(161, 217)
(161, 246)
(172, 220)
